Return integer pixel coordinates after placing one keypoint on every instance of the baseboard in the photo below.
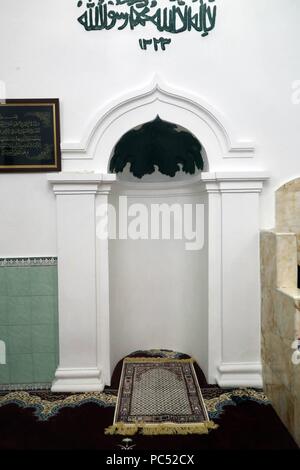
(242, 375)
(21, 387)
(77, 380)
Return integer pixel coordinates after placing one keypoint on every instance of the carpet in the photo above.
(45, 420)
(159, 396)
(42, 420)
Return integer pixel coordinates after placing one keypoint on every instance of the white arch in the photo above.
(135, 108)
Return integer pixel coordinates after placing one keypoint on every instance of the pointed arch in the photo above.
(173, 105)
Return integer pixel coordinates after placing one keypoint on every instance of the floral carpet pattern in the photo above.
(46, 405)
(34, 419)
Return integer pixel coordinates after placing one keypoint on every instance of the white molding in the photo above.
(242, 374)
(258, 175)
(80, 177)
(71, 183)
(81, 182)
(214, 313)
(235, 182)
(77, 380)
(103, 295)
(225, 182)
(206, 176)
(158, 91)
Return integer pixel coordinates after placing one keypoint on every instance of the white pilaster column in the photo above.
(79, 365)
(214, 279)
(234, 278)
(102, 267)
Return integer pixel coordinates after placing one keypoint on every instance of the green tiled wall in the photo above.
(28, 321)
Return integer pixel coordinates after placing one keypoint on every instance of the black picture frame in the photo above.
(30, 135)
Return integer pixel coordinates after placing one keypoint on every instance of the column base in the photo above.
(77, 380)
(240, 375)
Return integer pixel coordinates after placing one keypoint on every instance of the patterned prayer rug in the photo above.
(159, 396)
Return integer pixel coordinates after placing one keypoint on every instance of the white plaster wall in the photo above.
(27, 216)
(245, 68)
(159, 292)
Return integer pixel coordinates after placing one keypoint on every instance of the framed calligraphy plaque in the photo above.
(30, 135)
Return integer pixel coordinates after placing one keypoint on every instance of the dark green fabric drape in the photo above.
(157, 144)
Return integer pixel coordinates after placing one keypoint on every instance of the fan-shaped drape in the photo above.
(157, 144)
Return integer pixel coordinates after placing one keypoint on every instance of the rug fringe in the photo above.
(157, 359)
(181, 429)
(161, 429)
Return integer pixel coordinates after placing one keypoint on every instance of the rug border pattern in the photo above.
(177, 424)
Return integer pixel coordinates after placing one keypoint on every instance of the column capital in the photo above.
(234, 182)
(104, 189)
(69, 183)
